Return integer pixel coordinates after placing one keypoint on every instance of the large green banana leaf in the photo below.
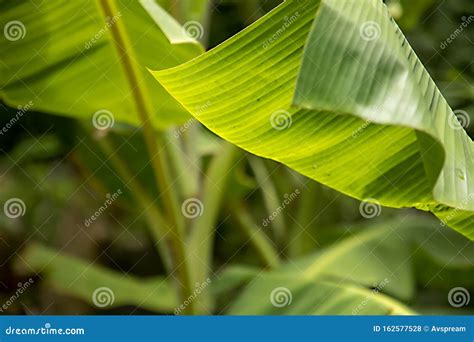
(332, 89)
(60, 55)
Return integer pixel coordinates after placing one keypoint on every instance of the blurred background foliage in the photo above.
(60, 167)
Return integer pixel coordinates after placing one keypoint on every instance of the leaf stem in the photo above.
(158, 158)
(201, 239)
(264, 246)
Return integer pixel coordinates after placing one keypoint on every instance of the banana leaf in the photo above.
(61, 56)
(333, 90)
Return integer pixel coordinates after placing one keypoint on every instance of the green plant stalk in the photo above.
(259, 240)
(201, 238)
(308, 220)
(191, 151)
(189, 185)
(270, 197)
(157, 159)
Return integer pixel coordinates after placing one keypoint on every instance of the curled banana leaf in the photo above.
(333, 90)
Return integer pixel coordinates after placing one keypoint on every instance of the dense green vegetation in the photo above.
(237, 157)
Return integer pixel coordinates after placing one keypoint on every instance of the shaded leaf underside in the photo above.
(66, 62)
(357, 113)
